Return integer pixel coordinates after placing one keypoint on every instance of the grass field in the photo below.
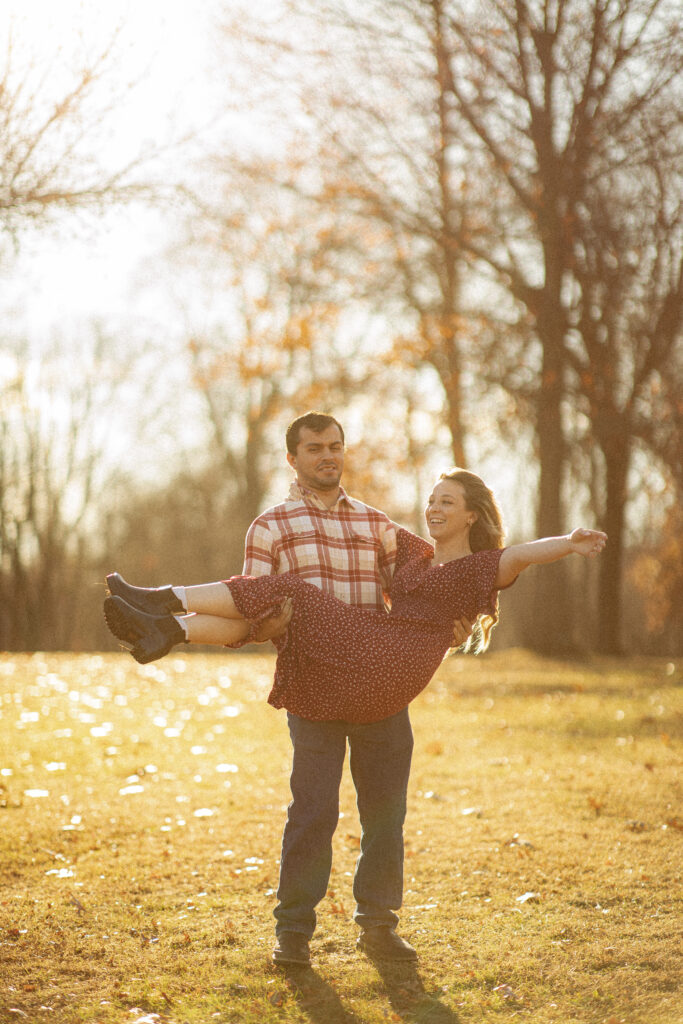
(141, 812)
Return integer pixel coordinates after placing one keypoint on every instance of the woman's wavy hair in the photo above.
(486, 534)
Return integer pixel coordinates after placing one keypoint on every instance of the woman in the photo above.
(336, 661)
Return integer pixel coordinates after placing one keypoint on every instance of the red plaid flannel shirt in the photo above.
(348, 550)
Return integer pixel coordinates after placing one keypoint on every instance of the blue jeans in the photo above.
(379, 758)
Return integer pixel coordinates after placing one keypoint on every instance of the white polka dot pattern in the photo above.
(338, 661)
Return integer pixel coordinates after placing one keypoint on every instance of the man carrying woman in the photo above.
(346, 670)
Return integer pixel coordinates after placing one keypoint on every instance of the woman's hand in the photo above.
(587, 542)
(275, 624)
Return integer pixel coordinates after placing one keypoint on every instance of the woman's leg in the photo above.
(207, 599)
(213, 629)
(212, 599)
(154, 620)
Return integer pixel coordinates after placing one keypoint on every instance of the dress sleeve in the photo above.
(408, 546)
(487, 569)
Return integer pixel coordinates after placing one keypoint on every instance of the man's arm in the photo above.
(386, 562)
(260, 559)
(275, 624)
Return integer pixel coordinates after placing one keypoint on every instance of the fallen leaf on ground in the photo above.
(507, 992)
(518, 841)
(529, 897)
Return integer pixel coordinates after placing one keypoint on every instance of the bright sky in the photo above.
(166, 36)
(165, 47)
(92, 269)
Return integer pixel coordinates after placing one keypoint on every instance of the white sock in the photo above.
(180, 594)
(182, 623)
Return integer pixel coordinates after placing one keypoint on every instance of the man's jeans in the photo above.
(379, 758)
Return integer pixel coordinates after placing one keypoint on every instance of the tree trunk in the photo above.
(553, 626)
(454, 405)
(616, 451)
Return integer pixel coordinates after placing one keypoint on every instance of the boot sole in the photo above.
(394, 956)
(118, 622)
(126, 629)
(289, 962)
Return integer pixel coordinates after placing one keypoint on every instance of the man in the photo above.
(347, 549)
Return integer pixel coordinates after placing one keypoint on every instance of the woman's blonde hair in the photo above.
(486, 534)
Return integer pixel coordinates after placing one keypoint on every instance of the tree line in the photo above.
(468, 234)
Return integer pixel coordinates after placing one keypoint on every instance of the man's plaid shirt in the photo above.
(348, 550)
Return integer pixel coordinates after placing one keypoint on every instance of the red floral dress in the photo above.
(338, 661)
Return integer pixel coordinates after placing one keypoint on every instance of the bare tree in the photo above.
(59, 478)
(283, 340)
(59, 119)
(625, 351)
(377, 144)
(485, 140)
(56, 118)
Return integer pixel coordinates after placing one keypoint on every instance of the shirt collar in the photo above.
(299, 493)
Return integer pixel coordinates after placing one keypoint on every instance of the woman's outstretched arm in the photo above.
(518, 557)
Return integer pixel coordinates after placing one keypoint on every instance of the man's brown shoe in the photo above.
(385, 944)
(291, 948)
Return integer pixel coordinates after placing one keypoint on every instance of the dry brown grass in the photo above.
(140, 888)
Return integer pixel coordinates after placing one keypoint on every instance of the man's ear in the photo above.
(291, 459)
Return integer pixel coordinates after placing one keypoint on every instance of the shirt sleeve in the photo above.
(260, 558)
(387, 555)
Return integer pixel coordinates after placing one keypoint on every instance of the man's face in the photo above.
(319, 458)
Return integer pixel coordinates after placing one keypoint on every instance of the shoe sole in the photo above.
(118, 622)
(129, 632)
(288, 962)
(375, 954)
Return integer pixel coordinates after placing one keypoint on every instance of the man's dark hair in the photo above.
(315, 421)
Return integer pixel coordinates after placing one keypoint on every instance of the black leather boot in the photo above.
(152, 636)
(153, 600)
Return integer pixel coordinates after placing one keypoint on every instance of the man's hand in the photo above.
(461, 631)
(275, 624)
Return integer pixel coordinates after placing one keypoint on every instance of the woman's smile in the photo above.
(447, 508)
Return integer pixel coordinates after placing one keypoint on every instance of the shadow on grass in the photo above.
(407, 995)
(402, 983)
(317, 997)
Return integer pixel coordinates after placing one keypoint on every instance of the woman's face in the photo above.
(447, 514)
